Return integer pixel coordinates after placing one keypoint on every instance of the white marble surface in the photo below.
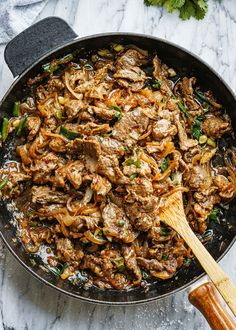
(27, 304)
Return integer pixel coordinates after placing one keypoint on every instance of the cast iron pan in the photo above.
(53, 38)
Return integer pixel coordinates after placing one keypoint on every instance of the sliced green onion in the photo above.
(114, 107)
(59, 114)
(211, 143)
(201, 96)
(50, 67)
(165, 257)
(164, 231)
(137, 163)
(183, 109)
(201, 117)
(118, 115)
(16, 109)
(21, 126)
(203, 139)
(105, 53)
(3, 182)
(119, 262)
(118, 47)
(121, 223)
(129, 161)
(5, 124)
(67, 58)
(145, 275)
(70, 135)
(156, 84)
(165, 165)
(133, 176)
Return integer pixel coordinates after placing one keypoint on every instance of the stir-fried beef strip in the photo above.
(103, 143)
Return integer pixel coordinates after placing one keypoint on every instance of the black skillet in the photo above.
(53, 38)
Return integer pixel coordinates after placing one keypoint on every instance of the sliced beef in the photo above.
(73, 107)
(199, 178)
(111, 146)
(109, 167)
(66, 250)
(45, 195)
(163, 128)
(131, 262)
(102, 113)
(150, 264)
(100, 185)
(71, 172)
(184, 141)
(185, 88)
(44, 167)
(116, 224)
(87, 147)
(102, 267)
(226, 188)
(33, 124)
(141, 210)
(215, 127)
(128, 74)
(132, 57)
(131, 126)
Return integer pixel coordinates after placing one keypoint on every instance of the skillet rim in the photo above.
(19, 77)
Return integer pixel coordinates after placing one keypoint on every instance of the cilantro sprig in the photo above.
(186, 8)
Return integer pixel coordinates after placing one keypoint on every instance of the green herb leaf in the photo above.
(165, 257)
(214, 215)
(187, 8)
(196, 132)
(70, 135)
(172, 175)
(3, 182)
(183, 109)
(186, 262)
(165, 165)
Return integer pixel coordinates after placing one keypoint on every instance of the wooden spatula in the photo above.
(173, 215)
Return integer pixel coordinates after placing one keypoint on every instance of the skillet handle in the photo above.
(206, 299)
(31, 44)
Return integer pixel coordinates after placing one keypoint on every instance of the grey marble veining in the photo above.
(25, 303)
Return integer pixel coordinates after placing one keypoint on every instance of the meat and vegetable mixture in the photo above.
(104, 138)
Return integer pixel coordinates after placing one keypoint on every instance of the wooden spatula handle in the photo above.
(206, 299)
(222, 282)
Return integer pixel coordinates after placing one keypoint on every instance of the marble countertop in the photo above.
(26, 303)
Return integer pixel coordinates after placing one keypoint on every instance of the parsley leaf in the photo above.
(165, 165)
(214, 215)
(187, 8)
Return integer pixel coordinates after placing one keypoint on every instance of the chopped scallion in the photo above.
(21, 126)
(5, 124)
(183, 109)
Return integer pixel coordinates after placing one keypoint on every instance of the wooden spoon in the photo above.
(173, 215)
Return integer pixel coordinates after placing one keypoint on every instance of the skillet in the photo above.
(53, 38)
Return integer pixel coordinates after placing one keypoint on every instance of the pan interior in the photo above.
(224, 234)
